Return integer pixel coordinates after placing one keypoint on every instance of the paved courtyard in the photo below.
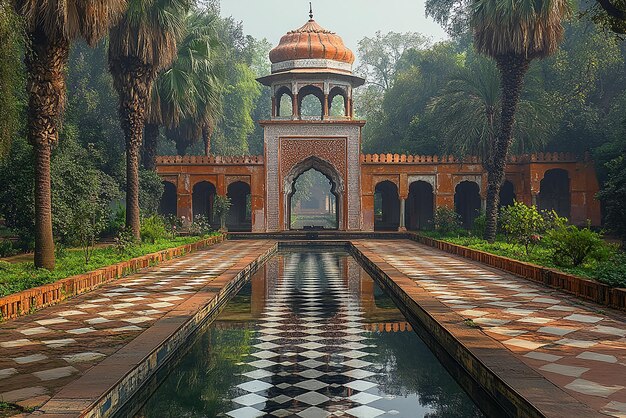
(580, 347)
(41, 353)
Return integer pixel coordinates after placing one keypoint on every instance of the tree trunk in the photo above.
(207, 133)
(150, 137)
(45, 61)
(512, 68)
(133, 81)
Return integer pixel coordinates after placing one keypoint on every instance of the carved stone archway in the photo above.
(327, 169)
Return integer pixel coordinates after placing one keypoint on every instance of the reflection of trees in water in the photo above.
(200, 383)
(409, 367)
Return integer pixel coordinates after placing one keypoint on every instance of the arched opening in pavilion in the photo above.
(313, 202)
(239, 217)
(337, 102)
(386, 207)
(554, 192)
(284, 102)
(168, 204)
(467, 202)
(420, 206)
(311, 103)
(203, 196)
(507, 194)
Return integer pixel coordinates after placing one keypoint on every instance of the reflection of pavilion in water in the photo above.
(379, 312)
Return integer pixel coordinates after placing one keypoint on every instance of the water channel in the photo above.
(311, 335)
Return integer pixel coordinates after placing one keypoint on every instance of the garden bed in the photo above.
(38, 288)
(582, 287)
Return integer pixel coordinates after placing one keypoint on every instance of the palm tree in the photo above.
(466, 112)
(513, 33)
(140, 45)
(186, 99)
(51, 26)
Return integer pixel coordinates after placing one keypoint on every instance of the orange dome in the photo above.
(311, 41)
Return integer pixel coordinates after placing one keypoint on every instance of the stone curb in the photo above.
(517, 388)
(587, 289)
(106, 387)
(28, 301)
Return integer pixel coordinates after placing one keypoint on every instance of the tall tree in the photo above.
(11, 78)
(51, 26)
(140, 45)
(513, 34)
(187, 98)
(466, 114)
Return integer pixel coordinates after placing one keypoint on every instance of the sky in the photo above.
(351, 19)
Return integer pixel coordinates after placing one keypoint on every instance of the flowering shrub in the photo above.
(200, 226)
(523, 225)
(447, 220)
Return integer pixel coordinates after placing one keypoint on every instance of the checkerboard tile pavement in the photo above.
(577, 346)
(41, 353)
(312, 357)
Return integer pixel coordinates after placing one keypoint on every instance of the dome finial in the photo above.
(311, 10)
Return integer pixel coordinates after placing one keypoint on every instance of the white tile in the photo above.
(59, 343)
(549, 301)
(364, 398)
(472, 312)
(365, 411)
(258, 374)
(518, 342)
(35, 331)
(254, 386)
(80, 331)
(70, 313)
(536, 320)
(128, 328)
(245, 412)
(576, 343)
(312, 412)
(542, 356)
(505, 331)
(519, 312)
(592, 388)
(557, 330)
(491, 321)
(52, 321)
(312, 398)
(249, 399)
(589, 355)
(16, 343)
(4, 373)
(53, 374)
(564, 370)
(562, 308)
(30, 359)
(83, 357)
(160, 305)
(620, 332)
(112, 313)
(138, 320)
(97, 320)
(588, 319)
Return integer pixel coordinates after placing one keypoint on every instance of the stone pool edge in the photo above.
(515, 386)
(107, 386)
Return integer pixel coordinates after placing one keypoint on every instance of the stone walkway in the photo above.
(580, 347)
(43, 352)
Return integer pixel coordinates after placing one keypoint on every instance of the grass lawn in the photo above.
(540, 255)
(18, 276)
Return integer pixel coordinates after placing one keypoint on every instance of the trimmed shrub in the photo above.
(573, 246)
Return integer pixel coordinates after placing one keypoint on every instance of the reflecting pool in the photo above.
(311, 335)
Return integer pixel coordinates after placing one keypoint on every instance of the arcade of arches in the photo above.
(313, 175)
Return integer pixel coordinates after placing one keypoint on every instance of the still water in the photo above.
(311, 335)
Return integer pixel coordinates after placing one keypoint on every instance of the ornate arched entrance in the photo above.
(337, 188)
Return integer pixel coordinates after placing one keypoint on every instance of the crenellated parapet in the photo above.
(211, 160)
(552, 157)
